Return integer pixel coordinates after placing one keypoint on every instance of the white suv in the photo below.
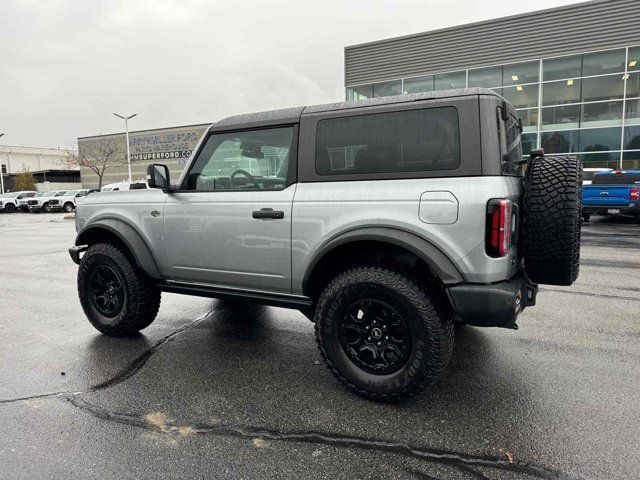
(10, 202)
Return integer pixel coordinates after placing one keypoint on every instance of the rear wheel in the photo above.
(552, 211)
(68, 207)
(380, 334)
(9, 208)
(117, 297)
(46, 207)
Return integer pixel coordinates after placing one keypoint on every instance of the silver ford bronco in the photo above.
(386, 222)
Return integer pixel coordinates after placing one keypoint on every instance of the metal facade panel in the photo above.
(582, 27)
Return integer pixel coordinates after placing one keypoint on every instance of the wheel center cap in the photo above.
(376, 333)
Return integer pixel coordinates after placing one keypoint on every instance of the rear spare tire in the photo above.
(552, 213)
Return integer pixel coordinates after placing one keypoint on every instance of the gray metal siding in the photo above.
(582, 27)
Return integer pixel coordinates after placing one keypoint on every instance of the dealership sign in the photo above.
(164, 145)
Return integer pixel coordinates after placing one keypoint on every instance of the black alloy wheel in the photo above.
(375, 336)
(107, 290)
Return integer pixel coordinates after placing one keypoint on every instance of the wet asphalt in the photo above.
(220, 390)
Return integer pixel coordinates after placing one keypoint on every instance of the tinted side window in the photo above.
(409, 141)
(245, 160)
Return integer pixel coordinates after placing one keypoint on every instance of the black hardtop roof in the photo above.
(292, 115)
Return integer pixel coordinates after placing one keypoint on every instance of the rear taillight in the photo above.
(499, 219)
(634, 195)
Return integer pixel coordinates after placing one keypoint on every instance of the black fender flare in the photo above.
(130, 237)
(439, 263)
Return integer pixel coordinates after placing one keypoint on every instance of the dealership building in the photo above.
(573, 74)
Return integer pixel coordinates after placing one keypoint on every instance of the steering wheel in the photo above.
(232, 178)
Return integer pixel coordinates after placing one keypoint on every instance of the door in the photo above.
(229, 223)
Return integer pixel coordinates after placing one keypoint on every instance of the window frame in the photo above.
(471, 152)
(290, 179)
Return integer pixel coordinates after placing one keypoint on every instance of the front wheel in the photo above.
(381, 335)
(117, 297)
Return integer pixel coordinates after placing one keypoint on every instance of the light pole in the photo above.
(1, 172)
(126, 130)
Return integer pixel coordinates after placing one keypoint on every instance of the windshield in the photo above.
(59, 194)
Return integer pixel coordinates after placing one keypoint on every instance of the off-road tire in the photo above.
(68, 207)
(552, 220)
(10, 208)
(141, 294)
(432, 333)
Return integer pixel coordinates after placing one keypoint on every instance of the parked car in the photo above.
(115, 187)
(10, 201)
(612, 193)
(67, 202)
(589, 173)
(384, 221)
(41, 202)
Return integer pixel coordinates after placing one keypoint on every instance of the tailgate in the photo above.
(606, 195)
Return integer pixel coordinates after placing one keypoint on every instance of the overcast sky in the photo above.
(66, 65)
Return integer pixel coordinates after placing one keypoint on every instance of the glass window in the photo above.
(247, 160)
(522, 96)
(386, 89)
(634, 59)
(562, 68)
(633, 111)
(510, 144)
(601, 114)
(600, 63)
(600, 160)
(485, 77)
(631, 161)
(360, 92)
(418, 84)
(632, 138)
(520, 73)
(529, 119)
(445, 81)
(633, 85)
(599, 139)
(602, 88)
(554, 118)
(409, 141)
(557, 93)
(529, 142)
(560, 142)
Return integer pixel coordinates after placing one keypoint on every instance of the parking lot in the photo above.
(222, 390)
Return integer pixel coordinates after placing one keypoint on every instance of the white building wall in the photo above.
(35, 159)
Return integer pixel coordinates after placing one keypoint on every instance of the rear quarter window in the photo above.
(408, 141)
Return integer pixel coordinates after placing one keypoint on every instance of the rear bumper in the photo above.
(492, 305)
(633, 209)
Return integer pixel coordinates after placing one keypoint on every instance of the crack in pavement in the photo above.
(38, 396)
(462, 461)
(465, 463)
(135, 366)
(589, 294)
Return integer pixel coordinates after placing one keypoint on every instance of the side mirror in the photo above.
(158, 176)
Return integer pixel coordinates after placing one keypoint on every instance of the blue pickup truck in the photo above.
(612, 193)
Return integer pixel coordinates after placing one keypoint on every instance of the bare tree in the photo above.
(98, 155)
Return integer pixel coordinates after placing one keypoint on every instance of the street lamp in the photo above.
(1, 172)
(126, 129)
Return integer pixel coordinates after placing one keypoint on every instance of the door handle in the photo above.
(268, 213)
(155, 213)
